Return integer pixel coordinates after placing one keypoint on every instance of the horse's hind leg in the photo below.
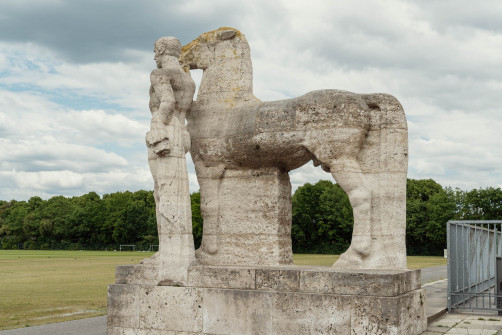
(338, 156)
(349, 176)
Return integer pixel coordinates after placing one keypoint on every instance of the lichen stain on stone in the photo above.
(210, 36)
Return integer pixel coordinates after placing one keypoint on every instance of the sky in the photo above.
(74, 81)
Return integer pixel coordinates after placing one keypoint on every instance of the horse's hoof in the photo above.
(361, 245)
(210, 244)
(151, 261)
(348, 260)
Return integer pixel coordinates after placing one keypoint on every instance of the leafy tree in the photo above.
(322, 218)
(12, 232)
(483, 204)
(428, 208)
(86, 220)
(146, 200)
(56, 223)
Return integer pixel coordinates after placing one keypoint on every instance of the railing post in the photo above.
(498, 283)
(448, 265)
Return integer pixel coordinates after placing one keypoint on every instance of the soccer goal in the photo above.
(154, 247)
(127, 247)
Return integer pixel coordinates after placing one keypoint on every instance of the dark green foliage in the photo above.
(196, 218)
(322, 216)
(322, 219)
(482, 204)
(428, 208)
(85, 222)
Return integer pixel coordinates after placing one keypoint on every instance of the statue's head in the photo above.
(200, 52)
(166, 46)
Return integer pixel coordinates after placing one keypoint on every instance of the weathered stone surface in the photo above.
(132, 331)
(241, 280)
(369, 283)
(123, 306)
(360, 139)
(404, 314)
(237, 312)
(254, 224)
(221, 277)
(137, 274)
(170, 308)
(274, 300)
(278, 280)
(171, 94)
(296, 313)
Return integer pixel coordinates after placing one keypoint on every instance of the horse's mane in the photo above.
(210, 36)
(223, 33)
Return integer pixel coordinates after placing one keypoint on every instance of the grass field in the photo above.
(39, 287)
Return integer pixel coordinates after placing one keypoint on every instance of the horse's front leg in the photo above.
(210, 179)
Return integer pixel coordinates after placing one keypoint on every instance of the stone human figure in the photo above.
(171, 94)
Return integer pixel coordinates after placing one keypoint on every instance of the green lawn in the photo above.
(39, 287)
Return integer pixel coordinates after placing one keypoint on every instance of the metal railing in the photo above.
(473, 247)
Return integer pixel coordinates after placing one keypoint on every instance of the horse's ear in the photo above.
(226, 34)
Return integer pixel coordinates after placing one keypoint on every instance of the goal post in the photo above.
(127, 247)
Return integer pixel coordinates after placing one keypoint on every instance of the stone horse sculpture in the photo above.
(240, 280)
(243, 148)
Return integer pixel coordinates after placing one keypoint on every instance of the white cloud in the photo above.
(48, 180)
(441, 59)
(46, 148)
(23, 185)
(29, 115)
(105, 127)
(308, 174)
(29, 65)
(48, 153)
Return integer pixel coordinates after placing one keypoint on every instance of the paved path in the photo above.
(433, 274)
(90, 326)
(436, 299)
(465, 324)
(433, 280)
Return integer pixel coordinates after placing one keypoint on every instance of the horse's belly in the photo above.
(270, 149)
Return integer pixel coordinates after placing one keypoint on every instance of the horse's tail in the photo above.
(384, 161)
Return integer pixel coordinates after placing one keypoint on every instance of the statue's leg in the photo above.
(174, 220)
(154, 168)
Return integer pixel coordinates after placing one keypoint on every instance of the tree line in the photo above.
(322, 218)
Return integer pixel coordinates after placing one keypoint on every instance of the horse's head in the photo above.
(199, 53)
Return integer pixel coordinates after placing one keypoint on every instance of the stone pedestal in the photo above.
(252, 223)
(267, 300)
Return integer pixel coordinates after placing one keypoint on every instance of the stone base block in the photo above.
(270, 300)
(251, 227)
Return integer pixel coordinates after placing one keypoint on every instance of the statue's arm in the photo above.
(188, 93)
(164, 92)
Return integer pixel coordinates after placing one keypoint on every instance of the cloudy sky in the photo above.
(74, 80)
